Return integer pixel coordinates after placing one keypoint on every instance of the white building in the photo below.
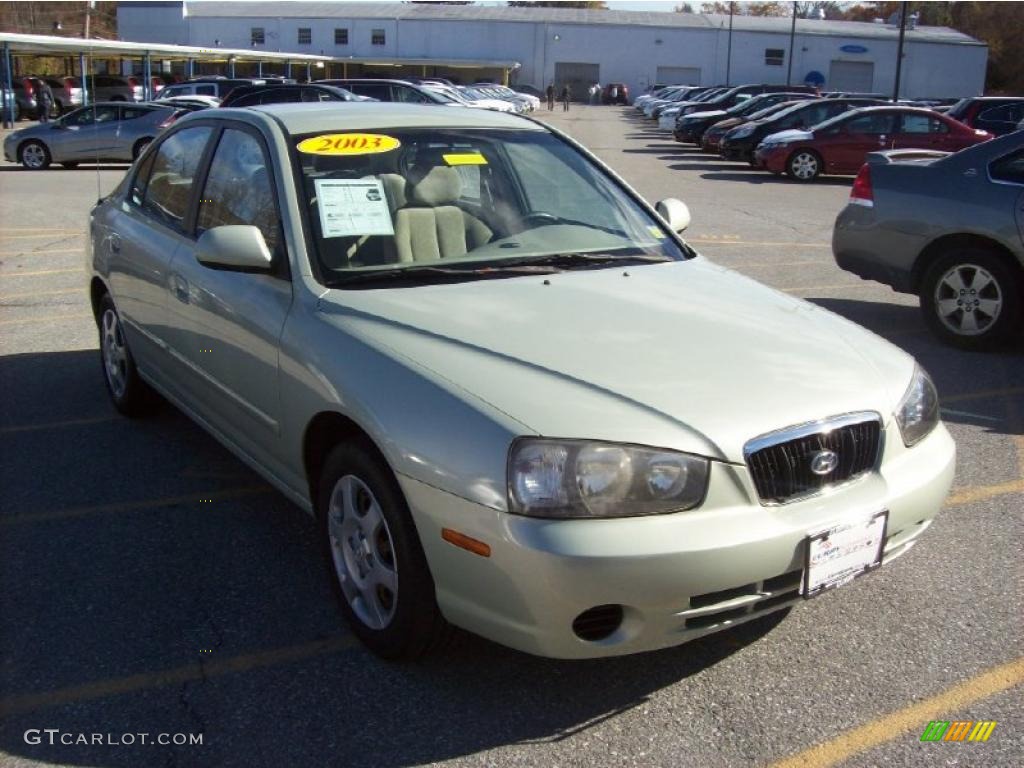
(537, 46)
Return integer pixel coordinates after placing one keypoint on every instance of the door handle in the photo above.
(180, 287)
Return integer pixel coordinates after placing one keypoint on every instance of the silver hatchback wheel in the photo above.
(34, 156)
(968, 299)
(363, 552)
(804, 166)
(115, 355)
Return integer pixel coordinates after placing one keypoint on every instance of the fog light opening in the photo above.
(598, 623)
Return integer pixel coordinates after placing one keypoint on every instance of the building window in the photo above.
(257, 36)
(305, 35)
(377, 37)
(341, 37)
(774, 56)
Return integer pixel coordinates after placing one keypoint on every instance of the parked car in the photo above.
(113, 88)
(481, 97)
(26, 93)
(9, 104)
(740, 142)
(526, 102)
(218, 87)
(690, 128)
(615, 93)
(673, 103)
(191, 103)
(458, 468)
(106, 131)
(67, 94)
(388, 90)
(252, 95)
(732, 96)
(947, 227)
(996, 114)
(839, 145)
(712, 138)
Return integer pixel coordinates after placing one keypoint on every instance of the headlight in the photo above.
(576, 478)
(918, 411)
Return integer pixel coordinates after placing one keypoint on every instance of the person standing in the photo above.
(44, 102)
(551, 96)
(566, 96)
(590, 93)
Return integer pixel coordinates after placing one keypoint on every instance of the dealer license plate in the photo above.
(840, 554)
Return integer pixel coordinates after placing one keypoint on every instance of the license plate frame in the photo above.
(857, 550)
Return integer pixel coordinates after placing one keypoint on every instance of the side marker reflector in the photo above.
(463, 541)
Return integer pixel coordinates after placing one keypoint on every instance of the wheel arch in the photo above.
(936, 247)
(97, 290)
(32, 140)
(326, 430)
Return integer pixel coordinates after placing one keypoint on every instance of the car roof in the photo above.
(361, 116)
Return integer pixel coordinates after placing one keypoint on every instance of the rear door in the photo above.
(921, 131)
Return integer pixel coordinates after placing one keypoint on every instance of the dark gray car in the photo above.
(105, 131)
(948, 227)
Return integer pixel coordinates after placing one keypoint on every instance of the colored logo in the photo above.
(853, 49)
(958, 730)
(824, 462)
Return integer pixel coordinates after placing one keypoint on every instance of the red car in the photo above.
(615, 93)
(840, 145)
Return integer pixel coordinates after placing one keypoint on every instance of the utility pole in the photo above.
(728, 50)
(89, 6)
(899, 51)
(792, 38)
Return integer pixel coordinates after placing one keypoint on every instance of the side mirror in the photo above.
(675, 213)
(234, 246)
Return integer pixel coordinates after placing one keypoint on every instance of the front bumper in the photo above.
(732, 149)
(677, 576)
(771, 157)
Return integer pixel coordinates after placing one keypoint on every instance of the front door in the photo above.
(228, 323)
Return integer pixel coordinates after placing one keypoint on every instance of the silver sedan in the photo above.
(97, 133)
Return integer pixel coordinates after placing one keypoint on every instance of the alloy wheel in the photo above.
(363, 552)
(34, 156)
(804, 166)
(968, 299)
(115, 354)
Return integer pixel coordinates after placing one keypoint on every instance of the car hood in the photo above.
(792, 134)
(684, 355)
(695, 116)
(725, 125)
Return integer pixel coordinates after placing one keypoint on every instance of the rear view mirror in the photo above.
(234, 246)
(675, 213)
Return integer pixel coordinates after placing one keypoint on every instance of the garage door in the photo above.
(856, 76)
(579, 77)
(678, 75)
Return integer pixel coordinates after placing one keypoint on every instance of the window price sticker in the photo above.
(353, 207)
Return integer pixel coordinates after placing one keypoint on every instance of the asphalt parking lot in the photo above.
(150, 583)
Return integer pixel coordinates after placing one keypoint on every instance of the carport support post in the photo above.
(728, 49)
(85, 80)
(190, 67)
(309, 73)
(231, 67)
(147, 73)
(288, 69)
(899, 51)
(792, 38)
(259, 69)
(8, 107)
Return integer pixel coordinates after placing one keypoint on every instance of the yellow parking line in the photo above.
(13, 254)
(115, 686)
(981, 394)
(970, 494)
(895, 724)
(33, 294)
(38, 272)
(133, 506)
(48, 318)
(58, 424)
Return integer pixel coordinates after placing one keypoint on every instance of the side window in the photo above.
(937, 126)
(998, 114)
(916, 124)
(1009, 168)
(141, 179)
(873, 124)
(206, 90)
(407, 95)
(373, 90)
(131, 113)
(169, 187)
(238, 188)
(248, 100)
(82, 117)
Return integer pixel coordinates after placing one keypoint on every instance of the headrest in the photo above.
(440, 185)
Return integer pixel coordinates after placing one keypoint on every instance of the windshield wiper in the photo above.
(584, 260)
(438, 274)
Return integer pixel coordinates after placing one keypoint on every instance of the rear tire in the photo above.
(34, 155)
(130, 395)
(373, 552)
(804, 165)
(140, 147)
(972, 299)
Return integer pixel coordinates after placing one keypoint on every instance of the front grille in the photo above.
(714, 609)
(781, 463)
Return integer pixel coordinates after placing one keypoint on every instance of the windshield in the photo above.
(473, 204)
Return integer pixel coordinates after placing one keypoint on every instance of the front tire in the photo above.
(34, 156)
(377, 566)
(130, 395)
(804, 165)
(971, 298)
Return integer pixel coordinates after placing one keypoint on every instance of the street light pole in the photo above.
(728, 50)
(899, 52)
(792, 38)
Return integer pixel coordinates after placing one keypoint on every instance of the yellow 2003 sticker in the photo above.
(348, 144)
